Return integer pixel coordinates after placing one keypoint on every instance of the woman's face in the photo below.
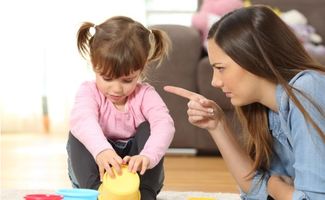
(241, 86)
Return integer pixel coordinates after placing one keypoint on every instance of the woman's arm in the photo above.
(304, 146)
(207, 114)
(236, 159)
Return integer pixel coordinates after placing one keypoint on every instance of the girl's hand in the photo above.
(202, 112)
(137, 163)
(105, 160)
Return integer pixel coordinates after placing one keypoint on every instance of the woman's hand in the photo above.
(105, 160)
(202, 112)
(287, 179)
(137, 163)
(280, 187)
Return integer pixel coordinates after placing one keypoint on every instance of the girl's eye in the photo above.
(127, 80)
(107, 79)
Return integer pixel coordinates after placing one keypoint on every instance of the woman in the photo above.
(276, 88)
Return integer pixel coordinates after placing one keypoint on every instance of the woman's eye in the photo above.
(220, 69)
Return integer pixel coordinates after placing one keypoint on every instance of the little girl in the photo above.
(116, 119)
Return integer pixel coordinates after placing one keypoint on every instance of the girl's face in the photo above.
(241, 86)
(117, 90)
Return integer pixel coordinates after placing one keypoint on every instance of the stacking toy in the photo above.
(122, 187)
(43, 197)
(78, 194)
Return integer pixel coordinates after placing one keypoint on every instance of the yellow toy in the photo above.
(201, 198)
(122, 187)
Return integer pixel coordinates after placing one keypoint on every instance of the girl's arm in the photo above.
(85, 127)
(161, 123)
(84, 117)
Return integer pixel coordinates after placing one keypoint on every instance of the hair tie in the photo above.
(152, 42)
(92, 30)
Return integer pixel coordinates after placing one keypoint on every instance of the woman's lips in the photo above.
(228, 94)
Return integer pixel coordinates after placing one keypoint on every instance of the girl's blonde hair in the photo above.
(120, 46)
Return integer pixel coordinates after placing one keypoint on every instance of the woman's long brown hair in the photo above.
(260, 42)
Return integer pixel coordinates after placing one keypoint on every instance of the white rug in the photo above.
(171, 195)
(164, 195)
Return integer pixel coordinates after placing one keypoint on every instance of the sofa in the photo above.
(188, 67)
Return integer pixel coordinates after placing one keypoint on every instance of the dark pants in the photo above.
(85, 169)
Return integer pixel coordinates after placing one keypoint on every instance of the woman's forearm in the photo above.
(236, 159)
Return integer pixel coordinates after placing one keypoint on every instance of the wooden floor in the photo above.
(38, 161)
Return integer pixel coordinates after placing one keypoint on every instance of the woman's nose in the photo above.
(216, 82)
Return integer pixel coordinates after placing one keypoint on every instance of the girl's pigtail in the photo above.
(84, 37)
(159, 45)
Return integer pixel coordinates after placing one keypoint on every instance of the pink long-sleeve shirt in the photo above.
(94, 119)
